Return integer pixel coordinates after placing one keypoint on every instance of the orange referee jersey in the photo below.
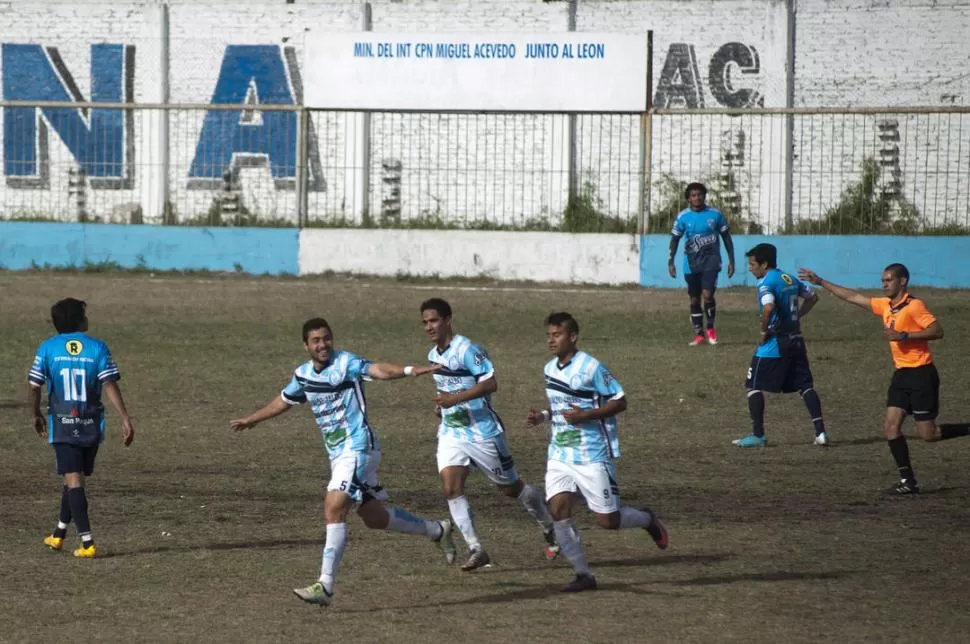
(908, 316)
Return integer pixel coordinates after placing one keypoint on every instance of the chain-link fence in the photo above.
(770, 170)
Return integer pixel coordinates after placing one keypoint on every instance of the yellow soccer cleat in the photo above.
(85, 552)
(54, 543)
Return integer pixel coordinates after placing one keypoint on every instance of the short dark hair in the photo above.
(696, 185)
(437, 304)
(764, 254)
(68, 315)
(312, 325)
(898, 270)
(563, 319)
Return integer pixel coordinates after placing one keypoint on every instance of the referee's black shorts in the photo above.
(916, 390)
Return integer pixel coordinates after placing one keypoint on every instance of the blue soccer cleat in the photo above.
(751, 441)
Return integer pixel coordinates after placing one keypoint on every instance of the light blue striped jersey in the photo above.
(74, 366)
(465, 364)
(336, 397)
(586, 383)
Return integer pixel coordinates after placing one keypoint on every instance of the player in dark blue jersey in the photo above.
(76, 368)
(702, 228)
(780, 363)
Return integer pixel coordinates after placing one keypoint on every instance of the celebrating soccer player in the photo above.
(332, 383)
(702, 226)
(915, 385)
(780, 363)
(470, 433)
(584, 399)
(76, 368)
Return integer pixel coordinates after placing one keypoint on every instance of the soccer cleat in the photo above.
(906, 486)
(85, 552)
(711, 336)
(580, 583)
(315, 593)
(697, 341)
(446, 542)
(822, 439)
(478, 559)
(751, 441)
(657, 531)
(552, 548)
(54, 543)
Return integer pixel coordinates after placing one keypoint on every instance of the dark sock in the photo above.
(756, 407)
(900, 452)
(954, 430)
(65, 516)
(710, 310)
(697, 319)
(814, 405)
(79, 510)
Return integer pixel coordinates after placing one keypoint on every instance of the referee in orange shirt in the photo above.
(915, 386)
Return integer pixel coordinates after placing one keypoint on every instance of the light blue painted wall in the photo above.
(854, 261)
(257, 250)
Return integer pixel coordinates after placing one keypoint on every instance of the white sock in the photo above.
(461, 512)
(534, 504)
(633, 518)
(570, 546)
(61, 525)
(400, 520)
(333, 551)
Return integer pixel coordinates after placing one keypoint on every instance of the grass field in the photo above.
(205, 532)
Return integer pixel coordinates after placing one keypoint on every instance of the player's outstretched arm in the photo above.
(272, 409)
(611, 408)
(390, 371)
(481, 389)
(841, 292)
(113, 392)
(38, 422)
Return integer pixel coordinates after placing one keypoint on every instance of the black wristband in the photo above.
(903, 336)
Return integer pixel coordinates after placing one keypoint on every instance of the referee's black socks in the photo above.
(954, 430)
(900, 452)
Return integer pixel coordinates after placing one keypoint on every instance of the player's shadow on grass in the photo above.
(864, 440)
(218, 546)
(718, 580)
(664, 560)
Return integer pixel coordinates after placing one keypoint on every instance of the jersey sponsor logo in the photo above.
(480, 358)
(607, 377)
(334, 377)
(454, 363)
(786, 279)
(74, 347)
(568, 438)
(576, 381)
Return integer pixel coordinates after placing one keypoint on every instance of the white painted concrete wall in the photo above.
(848, 52)
(539, 257)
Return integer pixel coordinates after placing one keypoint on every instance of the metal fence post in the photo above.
(302, 146)
(646, 145)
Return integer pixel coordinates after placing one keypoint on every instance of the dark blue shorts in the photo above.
(780, 375)
(71, 458)
(702, 281)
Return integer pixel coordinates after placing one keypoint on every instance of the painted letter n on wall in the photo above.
(99, 140)
(254, 75)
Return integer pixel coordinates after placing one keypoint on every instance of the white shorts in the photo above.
(595, 481)
(355, 473)
(491, 456)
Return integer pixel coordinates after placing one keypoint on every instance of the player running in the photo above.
(332, 382)
(76, 368)
(780, 363)
(702, 227)
(470, 433)
(584, 400)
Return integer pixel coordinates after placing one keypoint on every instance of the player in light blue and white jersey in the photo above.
(76, 369)
(584, 399)
(470, 433)
(332, 383)
(702, 228)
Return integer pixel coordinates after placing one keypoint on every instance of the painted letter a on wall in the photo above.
(250, 75)
(100, 140)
